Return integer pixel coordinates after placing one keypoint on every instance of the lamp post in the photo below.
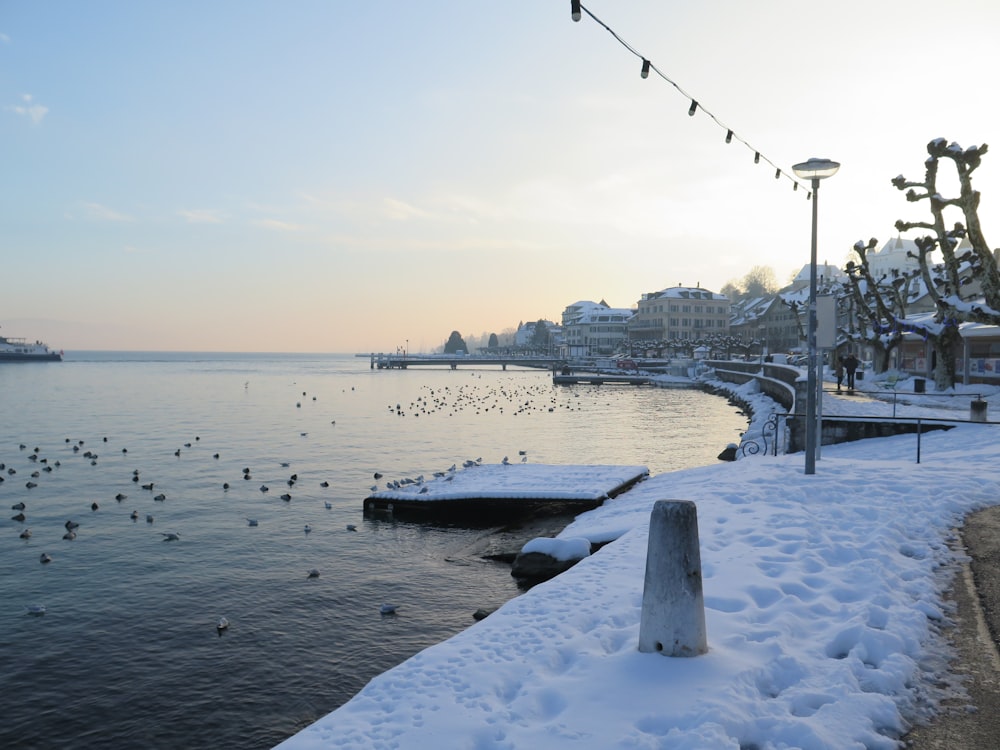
(813, 170)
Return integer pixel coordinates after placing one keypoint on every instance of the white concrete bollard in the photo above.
(673, 606)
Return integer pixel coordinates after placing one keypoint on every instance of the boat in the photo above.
(19, 350)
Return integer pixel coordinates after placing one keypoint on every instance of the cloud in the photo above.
(102, 213)
(202, 216)
(400, 211)
(35, 112)
(281, 226)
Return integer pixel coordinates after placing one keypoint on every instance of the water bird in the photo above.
(251, 522)
(94, 506)
(215, 455)
(17, 506)
(70, 525)
(36, 609)
(149, 518)
(120, 496)
(377, 475)
(388, 609)
(264, 488)
(222, 624)
(285, 464)
(69, 535)
(328, 505)
(26, 534)
(307, 528)
(30, 485)
(45, 557)
(351, 527)
(313, 573)
(148, 486)
(225, 485)
(160, 498)
(324, 484)
(286, 497)
(170, 536)
(134, 515)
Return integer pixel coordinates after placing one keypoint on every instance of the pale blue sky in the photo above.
(347, 176)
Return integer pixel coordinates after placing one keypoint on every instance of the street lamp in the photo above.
(813, 170)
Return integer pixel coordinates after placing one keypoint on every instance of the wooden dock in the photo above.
(599, 379)
(502, 492)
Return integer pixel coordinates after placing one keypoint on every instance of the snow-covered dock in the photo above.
(505, 489)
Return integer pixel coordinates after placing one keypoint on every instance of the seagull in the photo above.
(170, 536)
(388, 609)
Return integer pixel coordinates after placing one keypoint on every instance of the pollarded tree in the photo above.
(966, 285)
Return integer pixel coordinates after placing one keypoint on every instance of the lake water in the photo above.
(127, 653)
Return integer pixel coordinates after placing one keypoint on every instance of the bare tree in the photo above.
(973, 271)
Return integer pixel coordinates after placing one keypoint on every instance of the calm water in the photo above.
(127, 654)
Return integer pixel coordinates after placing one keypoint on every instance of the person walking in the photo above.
(851, 366)
(839, 371)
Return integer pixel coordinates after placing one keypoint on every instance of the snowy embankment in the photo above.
(824, 604)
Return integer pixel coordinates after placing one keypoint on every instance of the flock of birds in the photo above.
(38, 465)
(513, 397)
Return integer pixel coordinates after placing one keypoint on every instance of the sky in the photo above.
(825, 613)
(328, 176)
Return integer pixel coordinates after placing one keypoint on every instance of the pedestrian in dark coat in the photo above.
(851, 366)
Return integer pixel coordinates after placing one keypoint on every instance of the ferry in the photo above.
(19, 350)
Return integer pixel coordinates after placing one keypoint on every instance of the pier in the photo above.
(405, 361)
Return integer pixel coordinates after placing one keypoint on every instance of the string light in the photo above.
(576, 11)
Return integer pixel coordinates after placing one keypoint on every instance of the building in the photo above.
(679, 314)
(593, 329)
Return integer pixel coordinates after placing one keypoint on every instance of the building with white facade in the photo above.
(593, 329)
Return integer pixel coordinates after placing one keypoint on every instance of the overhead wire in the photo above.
(576, 10)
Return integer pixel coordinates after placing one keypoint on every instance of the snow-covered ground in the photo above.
(824, 608)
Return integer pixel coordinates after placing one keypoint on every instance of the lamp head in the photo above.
(816, 169)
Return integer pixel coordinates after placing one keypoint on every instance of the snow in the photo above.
(518, 481)
(572, 548)
(824, 610)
